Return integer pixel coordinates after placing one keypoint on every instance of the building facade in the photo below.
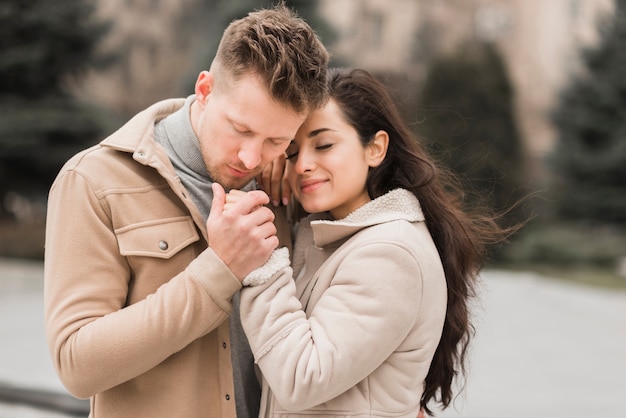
(158, 41)
(539, 40)
(151, 55)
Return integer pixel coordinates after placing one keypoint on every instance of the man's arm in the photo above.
(95, 339)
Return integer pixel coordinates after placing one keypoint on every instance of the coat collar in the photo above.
(398, 204)
(137, 135)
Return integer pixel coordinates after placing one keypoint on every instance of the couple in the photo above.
(162, 291)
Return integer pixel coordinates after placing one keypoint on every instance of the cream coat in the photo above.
(135, 302)
(355, 334)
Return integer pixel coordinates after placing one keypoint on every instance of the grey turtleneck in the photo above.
(176, 135)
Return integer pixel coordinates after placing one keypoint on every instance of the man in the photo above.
(141, 261)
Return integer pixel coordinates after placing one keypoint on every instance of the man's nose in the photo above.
(250, 153)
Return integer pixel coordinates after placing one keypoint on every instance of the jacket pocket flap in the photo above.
(161, 238)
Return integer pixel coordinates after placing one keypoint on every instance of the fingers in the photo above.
(285, 189)
(276, 180)
(264, 178)
(273, 181)
(245, 202)
(241, 229)
(233, 197)
(219, 199)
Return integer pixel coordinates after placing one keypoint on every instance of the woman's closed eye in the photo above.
(292, 152)
(323, 147)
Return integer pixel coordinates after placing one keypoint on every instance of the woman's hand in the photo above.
(273, 180)
(233, 197)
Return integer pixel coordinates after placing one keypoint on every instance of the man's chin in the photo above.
(235, 183)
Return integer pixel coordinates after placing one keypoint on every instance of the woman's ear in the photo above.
(377, 149)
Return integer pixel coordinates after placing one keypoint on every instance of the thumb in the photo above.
(219, 199)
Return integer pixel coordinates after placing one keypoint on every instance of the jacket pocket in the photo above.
(161, 238)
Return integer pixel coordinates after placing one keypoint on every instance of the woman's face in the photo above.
(327, 164)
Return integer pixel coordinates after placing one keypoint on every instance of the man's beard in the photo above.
(233, 183)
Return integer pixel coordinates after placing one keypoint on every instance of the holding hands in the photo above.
(241, 229)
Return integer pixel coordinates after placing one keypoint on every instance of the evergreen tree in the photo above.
(467, 121)
(43, 45)
(589, 160)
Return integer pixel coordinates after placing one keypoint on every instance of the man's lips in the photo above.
(307, 186)
(239, 173)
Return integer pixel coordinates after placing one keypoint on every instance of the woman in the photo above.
(371, 317)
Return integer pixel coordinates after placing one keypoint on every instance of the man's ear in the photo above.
(204, 86)
(377, 149)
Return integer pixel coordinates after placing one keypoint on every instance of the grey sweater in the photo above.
(176, 135)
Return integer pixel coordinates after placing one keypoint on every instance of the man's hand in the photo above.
(243, 235)
(273, 180)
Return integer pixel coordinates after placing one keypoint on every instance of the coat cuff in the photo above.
(277, 261)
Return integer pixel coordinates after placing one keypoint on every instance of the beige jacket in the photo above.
(135, 302)
(355, 333)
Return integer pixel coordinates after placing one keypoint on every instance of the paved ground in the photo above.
(544, 349)
(26, 372)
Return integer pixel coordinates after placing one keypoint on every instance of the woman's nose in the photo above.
(304, 162)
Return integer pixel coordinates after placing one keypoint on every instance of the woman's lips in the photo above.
(309, 186)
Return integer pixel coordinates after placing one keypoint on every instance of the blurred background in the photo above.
(523, 99)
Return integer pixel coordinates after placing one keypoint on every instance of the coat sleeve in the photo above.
(96, 341)
(370, 307)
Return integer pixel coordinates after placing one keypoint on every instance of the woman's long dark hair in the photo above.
(461, 236)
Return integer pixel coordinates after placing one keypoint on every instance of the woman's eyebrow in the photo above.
(318, 131)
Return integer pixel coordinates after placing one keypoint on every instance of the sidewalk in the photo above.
(546, 349)
(543, 349)
(27, 377)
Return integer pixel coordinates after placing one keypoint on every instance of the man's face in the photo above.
(240, 128)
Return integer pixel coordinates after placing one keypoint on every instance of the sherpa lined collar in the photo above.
(398, 204)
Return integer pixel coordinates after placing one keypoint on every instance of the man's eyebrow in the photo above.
(249, 129)
(239, 124)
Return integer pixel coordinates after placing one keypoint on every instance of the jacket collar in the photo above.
(137, 135)
(398, 204)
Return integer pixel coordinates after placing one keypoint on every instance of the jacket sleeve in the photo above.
(96, 341)
(369, 308)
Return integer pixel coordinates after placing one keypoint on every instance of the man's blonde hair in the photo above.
(282, 50)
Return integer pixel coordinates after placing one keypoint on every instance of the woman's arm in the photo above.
(369, 308)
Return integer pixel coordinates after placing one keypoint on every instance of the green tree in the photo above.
(467, 121)
(43, 45)
(589, 160)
